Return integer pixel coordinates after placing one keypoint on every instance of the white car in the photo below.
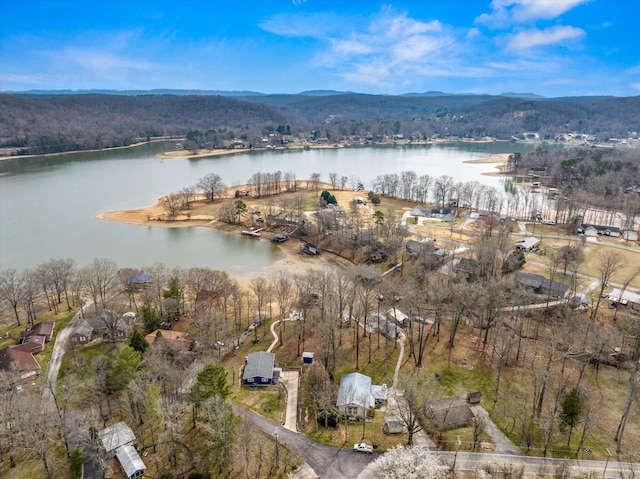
(362, 447)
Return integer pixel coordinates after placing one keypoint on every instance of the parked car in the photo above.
(362, 447)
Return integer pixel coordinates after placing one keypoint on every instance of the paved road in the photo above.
(328, 462)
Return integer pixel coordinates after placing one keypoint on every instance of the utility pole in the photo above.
(606, 463)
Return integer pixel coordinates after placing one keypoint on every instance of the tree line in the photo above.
(102, 121)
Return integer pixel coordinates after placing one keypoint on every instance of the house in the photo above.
(44, 329)
(177, 339)
(416, 248)
(528, 244)
(109, 324)
(119, 441)
(14, 359)
(81, 334)
(630, 235)
(473, 397)
(307, 357)
(449, 413)
(627, 297)
(386, 327)
(398, 315)
(419, 210)
(393, 425)
(260, 369)
(447, 214)
(541, 285)
(589, 232)
(138, 281)
(354, 395)
(468, 268)
(184, 348)
(115, 436)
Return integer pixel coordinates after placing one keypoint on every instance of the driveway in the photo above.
(328, 462)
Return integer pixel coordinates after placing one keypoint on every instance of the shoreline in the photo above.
(95, 150)
(184, 154)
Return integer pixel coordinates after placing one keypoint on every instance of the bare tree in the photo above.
(333, 178)
(188, 194)
(173, 203)
(632, 396)
(12, 289)
(441, 188)
(99, 277)
(212, 186)
(282, 287)
(608, 264)
(409, 406)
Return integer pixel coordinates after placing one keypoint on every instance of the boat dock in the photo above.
(252, 232)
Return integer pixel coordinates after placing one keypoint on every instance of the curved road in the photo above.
(329, 462)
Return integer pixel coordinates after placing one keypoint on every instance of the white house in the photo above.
(528, 244)
(630, 235)
(354, 395)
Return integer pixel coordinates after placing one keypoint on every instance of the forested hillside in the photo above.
(49, 123)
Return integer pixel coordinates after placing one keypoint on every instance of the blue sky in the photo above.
(550, 47)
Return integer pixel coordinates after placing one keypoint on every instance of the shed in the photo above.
(473, 397)
(130, 461)
(310, 249)
(307, 357)
(260, 369)
(393, 425)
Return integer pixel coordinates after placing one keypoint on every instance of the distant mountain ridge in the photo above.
(249, 93)
(47, 122)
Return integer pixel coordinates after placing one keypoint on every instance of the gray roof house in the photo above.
(81, 334)
(541, 285)
(260, 369)
(381, 323)
(448, 413)
(419, 210)
(115, 436)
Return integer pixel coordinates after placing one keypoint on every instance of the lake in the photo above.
(48, 204)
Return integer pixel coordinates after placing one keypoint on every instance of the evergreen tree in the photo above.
(571, 411)
(138, 342)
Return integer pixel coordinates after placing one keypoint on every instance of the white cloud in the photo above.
(517, 12)
(319, 25)
(548, 36)
(636, 86)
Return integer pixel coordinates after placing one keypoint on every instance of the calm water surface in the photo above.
(48, 205)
